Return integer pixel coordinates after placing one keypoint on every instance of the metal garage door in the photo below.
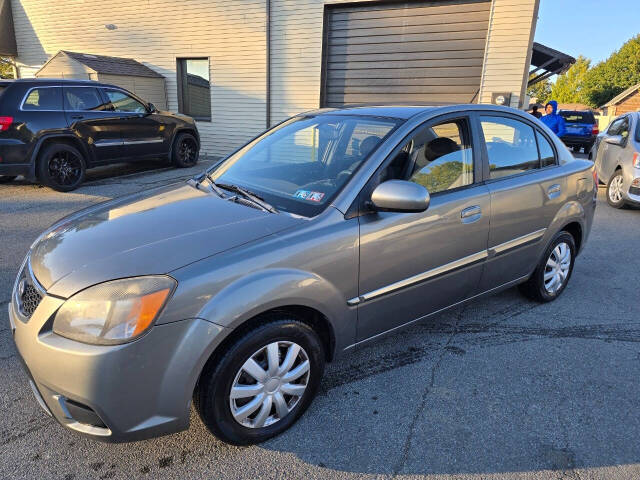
(416, 51)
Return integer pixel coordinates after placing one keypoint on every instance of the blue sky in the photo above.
(593, 28)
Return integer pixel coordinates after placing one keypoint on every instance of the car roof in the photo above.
(406, 112)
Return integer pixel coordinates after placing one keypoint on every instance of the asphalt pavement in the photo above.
(502, 388)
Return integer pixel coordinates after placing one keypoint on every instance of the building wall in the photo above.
(629, 104)
(230, 33)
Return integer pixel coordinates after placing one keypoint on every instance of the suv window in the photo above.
(49, 98)
(124, 103)
(83, 99)
(578, 117)
(511, 146)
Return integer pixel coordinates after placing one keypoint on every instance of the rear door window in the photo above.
(83, 99)
(43, 99)
(511, 146)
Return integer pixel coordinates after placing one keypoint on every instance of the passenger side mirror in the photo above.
(615, 140)
(152, 108)
(400, 196)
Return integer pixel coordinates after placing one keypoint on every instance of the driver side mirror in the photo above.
(152, 108)
(615, 140)
(400, 196)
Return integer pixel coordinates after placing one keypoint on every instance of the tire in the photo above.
(576, 148)
(535, 288)
(614, 190)
(7, 178)
(61, 167)
(185, 151)
(212, 397)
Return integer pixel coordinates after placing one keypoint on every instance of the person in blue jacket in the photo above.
(552, 120)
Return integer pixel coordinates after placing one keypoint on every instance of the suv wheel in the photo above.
(7, 178)
(61, 167)
(262, 384)
(615, 189)
(552, 274)
(185, 151)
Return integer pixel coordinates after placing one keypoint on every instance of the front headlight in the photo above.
(114, 312)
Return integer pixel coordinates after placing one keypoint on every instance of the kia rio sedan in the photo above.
(231, 291)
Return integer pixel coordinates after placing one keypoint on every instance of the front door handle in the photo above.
(471, 214)
(553, 191)
(77, 117)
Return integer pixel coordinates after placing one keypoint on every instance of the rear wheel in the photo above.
(552, 274)
(185, 151)
(262, 384)
(61, 167)
(615, 189)
(7, 178)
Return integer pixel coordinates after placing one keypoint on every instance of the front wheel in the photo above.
(615, 189)
(185, 151)
(552, 274)
(262, 383)
(61, 167)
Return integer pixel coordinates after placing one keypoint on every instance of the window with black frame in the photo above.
(194, 89)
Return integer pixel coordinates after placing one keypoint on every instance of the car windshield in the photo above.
(578, 117)
(301, 165)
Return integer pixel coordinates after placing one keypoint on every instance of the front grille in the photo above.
(28, 293)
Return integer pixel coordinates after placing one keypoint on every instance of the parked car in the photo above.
(617, 158)
(53, 130)
(333, 228)
(582, 129)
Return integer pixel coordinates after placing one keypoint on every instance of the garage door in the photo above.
(404, 52)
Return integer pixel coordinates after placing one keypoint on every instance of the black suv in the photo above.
(53, 130)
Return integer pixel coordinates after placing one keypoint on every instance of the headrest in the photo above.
(439, 147)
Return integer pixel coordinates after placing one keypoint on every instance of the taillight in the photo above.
(636, 159)
(594, 129)
(5, 122)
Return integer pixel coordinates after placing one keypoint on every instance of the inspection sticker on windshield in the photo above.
(309, 195)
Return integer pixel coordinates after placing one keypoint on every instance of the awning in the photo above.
(547, 62)
(8, 45)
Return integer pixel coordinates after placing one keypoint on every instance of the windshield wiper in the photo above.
(212, 184)
(250, 196)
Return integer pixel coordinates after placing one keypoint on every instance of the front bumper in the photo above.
(115, 393)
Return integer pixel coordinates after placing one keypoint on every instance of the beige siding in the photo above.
(147, 88)
(62, 66)
(156, 32)
(508, 55)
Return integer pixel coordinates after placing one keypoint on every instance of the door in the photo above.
(610, 156)
(413, 264)
(89, 116)
(410, 51)
(143, 132)
(527, 190)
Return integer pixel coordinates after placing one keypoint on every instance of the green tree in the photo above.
(540, 90)
(569, 86)
(6, 68)
(617, 73)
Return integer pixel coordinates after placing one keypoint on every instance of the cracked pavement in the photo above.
(501, 388)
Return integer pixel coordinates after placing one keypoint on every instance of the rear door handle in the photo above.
(553, 191)
(471, 214)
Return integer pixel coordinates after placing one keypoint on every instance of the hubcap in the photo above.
(557, 268)
(187, 151)
(269, 384)
(615, 189)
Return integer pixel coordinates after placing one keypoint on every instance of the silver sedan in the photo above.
(617, 157)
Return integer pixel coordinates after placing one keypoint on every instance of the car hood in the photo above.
(153, 232)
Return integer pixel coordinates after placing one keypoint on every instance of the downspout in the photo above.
(268, 60)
